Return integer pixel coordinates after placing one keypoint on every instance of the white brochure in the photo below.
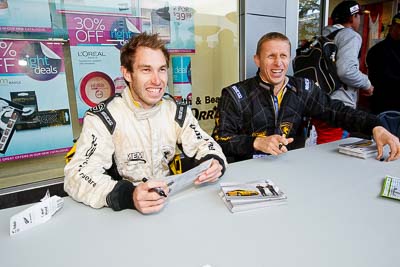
(37, 214)
(181, 181)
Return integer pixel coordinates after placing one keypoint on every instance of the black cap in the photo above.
(346, 9)
(396, 19)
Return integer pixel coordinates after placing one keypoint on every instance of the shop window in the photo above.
(310, 19)
(60, 57)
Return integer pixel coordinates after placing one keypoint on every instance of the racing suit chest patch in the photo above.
(180, 113)
(104, 114)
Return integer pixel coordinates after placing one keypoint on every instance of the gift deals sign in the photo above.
(35, 59)
(42, 63)
(32, 80)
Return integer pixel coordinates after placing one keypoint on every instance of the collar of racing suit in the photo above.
(140, 113)
(269, 86)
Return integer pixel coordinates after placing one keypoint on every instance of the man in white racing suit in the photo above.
(134, 136)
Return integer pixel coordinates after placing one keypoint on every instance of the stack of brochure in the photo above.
(391, 187)
(362, 149)
(247, 196)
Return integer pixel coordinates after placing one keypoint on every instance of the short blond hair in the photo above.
(271, 36)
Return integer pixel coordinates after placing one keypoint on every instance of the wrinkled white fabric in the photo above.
(143, 143)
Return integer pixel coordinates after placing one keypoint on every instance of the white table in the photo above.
(334, 217)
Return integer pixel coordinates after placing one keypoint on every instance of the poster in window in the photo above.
(173, 23)
(95, 41)
(34, 107)
(182, 30)
(25, 16)
(103, 6)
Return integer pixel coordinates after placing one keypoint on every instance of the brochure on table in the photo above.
(33, 85)
(391, 187)
(95, 41)
(251, 195)
(362, 149)
(25, 16)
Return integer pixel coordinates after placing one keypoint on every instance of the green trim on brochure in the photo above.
(388, 183)
(383, 187)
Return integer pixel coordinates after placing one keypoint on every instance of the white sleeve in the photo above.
(85, 175)
(196, 142)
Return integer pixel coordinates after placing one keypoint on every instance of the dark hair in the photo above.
(271, 36)
(342, 19)
(128, 51)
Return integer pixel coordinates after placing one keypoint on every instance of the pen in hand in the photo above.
(158, 190)
(280, 143)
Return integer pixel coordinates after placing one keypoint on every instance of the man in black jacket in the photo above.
(264, 114)
(383, 62)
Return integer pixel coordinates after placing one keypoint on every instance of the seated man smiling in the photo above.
(264, 114)
(127, 142)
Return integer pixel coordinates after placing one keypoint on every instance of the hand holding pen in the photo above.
(158, 190)
(280, 145)
(273, 144)
(283, 142)
(147, 196)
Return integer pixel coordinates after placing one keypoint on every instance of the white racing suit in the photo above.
(138, 142)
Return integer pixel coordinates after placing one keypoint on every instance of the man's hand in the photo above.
(147, 201)
(274, 144)
(211, 174)
(367, 92)
(383, 137)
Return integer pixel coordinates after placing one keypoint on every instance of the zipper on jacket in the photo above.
(276, 108)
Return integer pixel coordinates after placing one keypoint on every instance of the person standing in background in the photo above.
(383, 61)
(346, 18)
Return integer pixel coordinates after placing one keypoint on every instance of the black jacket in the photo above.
(383, 62)
(237, 125)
